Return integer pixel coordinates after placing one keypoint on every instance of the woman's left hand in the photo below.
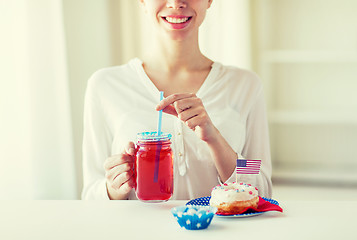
(189, 109)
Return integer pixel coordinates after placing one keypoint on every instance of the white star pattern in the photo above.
(194, 217)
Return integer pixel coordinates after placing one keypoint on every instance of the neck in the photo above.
(174, 55)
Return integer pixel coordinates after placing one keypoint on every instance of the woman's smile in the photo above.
(177, 21)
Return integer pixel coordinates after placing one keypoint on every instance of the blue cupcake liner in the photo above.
(193, 217)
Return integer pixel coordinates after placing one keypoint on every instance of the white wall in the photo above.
(14, 141)
(306, 53)
(88, 49)
(36, 134)
(225, 36)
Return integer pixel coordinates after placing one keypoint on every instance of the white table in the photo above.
(137, 220)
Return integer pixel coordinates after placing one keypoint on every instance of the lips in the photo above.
(177, 22)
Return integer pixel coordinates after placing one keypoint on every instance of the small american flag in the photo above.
(247, 166)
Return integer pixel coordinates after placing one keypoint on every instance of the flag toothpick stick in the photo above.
(247, 166)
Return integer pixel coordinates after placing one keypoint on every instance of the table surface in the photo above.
(138, 220)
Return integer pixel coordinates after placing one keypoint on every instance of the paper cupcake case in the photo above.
(194, 217)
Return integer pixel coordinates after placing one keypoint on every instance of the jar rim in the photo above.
(153, 136)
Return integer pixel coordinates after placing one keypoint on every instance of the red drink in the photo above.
(154, 167)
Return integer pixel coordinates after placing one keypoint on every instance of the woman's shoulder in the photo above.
(118, 71)
(240, 75)
(109, 81)
(114, 74)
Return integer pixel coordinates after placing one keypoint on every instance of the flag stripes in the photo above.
(248, 166)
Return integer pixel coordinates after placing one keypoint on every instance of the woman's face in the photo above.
(176, 18)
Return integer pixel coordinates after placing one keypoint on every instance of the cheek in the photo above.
(152, 12)
(200, 7)
(200, 18)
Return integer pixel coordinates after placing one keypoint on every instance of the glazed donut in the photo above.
(234, 198)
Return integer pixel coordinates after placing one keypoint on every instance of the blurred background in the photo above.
(305, 52)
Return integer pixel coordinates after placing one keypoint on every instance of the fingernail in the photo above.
(131, 151)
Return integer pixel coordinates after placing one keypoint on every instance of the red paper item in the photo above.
(263, 206)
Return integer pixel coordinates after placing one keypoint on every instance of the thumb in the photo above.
(170, 110)
(130, 148)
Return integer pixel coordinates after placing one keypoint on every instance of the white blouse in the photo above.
(120, 102)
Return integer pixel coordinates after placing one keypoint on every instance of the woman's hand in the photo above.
(189, 108)
(119, 173)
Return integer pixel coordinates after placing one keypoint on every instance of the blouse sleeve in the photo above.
(257, 146)
(96, 144)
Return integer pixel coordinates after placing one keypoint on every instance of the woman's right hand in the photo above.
(119, 173)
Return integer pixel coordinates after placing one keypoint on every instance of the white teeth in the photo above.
(176, 20)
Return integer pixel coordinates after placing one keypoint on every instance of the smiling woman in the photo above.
(36, 97)
(198, 93)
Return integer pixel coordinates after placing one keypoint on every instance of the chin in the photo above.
(178, 35)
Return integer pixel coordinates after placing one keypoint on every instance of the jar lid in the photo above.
(153, 136)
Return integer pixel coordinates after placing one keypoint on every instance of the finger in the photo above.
(193, 122)
(116, 160)
(173, 98)
(120, 179)
(130, 148)
(170, 110)
(127, 186)
(190, 113)
(112, 173)
(183, 104)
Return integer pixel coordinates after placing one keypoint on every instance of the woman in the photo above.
(215, 113)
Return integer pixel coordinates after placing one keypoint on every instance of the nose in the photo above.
(176, 4)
